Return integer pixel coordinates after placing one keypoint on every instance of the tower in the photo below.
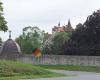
(59, 24)
(69, 24)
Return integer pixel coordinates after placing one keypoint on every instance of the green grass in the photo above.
(25, 77)
(72, 68)
(10, 70)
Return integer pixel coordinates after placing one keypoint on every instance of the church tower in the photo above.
(69, 27)
(64, 28)
(69, 24)
(59, 24)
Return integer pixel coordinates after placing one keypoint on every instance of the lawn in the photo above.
(72, 68)
(11, 70)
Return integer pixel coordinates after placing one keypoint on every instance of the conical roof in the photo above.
(10, 47)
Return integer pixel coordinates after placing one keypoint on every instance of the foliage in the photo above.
(85, 40)
(57, 43)
(31, 38)
(3, 23)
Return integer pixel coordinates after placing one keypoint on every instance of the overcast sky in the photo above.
(45, 13)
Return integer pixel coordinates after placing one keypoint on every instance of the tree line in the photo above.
(84, 40)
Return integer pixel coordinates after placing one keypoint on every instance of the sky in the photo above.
(45, 13)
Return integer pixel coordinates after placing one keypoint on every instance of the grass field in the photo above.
(72, 68)
(10, 70)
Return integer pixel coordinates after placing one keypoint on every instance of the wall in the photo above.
(61, 59)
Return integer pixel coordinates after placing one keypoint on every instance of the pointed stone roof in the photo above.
(59, 24)
(69, 24)
(10, 48)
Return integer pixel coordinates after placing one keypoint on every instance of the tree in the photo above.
(76, 42)
(31, 38)
(3, 23)
(56, 44)
(93, 32)
(59, 41)
(85, 40)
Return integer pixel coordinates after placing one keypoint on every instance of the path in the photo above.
(78, 75)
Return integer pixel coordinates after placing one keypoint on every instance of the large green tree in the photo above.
(31, 38)
(3, 23)
(58, 42)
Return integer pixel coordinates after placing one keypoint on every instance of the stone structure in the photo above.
(10, 49)
(61, 59)
(65, 28)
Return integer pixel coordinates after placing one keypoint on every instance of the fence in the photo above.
(61, 59)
